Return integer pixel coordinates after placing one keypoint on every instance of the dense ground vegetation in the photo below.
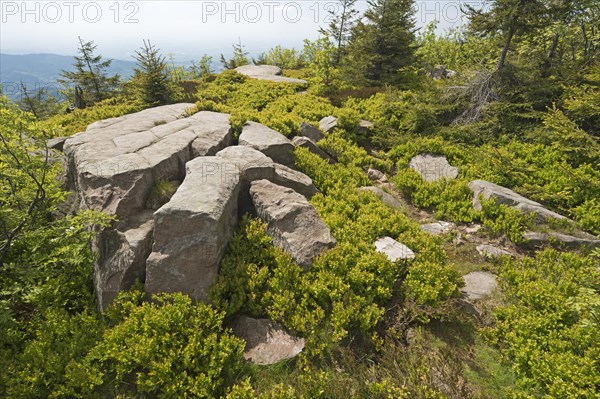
(521, 110)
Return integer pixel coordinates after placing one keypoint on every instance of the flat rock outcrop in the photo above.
(114, 163)
(292, 221)
(503, 195)
(266, 342)
(491, 251)
(537, 240)
(271, 143)
(266, 72)
(328, 123)
(193, 229)
(437, 228)
(479, 285)
(174, 241)
(386, 198)
(393, 249)
(433, 167)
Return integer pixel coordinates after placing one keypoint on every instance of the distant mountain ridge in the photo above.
(43, 70)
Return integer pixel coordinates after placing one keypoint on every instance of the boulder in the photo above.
(537, 240)
(56, 143)
(271, 143)
(503, 195)
(364, 126)
(214, 134)
(374, 174)
(192, 230)
(292, 221)
(328, 123)
(478, 285)
(433, 167)
(307, 143)
(266, 342)
(295, 180)
(312, 132)
(386, 198)
(393, 249)
(122, 252)
(266, 72)
(490, 251)
(437, 228)
(438, 72)
(113, 164)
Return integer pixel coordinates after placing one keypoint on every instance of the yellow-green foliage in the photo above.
(160, 193)
(549, 327)
(166, 348)
(79, 119)
(277, 105)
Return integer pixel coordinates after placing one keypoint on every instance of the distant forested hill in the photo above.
(37, 70)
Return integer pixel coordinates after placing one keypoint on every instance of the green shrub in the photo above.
(167, 348)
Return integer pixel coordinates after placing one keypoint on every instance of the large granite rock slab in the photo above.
(393, 249)
(271, 143)
(193, 229)
(292, 221)
(114, 163)
(266, 342)
(503, 195)
(122, 252)
(266, 72)
(433, 167)
(328, 124)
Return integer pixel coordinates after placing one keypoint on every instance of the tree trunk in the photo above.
(548, 62)
(509, 36)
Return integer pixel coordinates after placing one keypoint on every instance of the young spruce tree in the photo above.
(91, 74)
(382, 43)
(151, 79)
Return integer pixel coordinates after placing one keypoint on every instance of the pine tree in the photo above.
(382, 44)
(91, 74)
(340, 26)
(240, 57)
(151, 80)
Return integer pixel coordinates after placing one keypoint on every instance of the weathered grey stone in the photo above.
(114, 163)
(266, 72)
(56, 143)
(386, 198)
(490, 251)
(393, 249)
(328, 123)
(307, 143)
(503, 195)
(122, 252)
(437, 228)
(438, 72)
(266, 342)
(271, 143)
(478, 285)
(214, 134)
(364, 126)
(433, 168)
(374, 174)
(537, 240)
(292, 221)
(311, 131)
(295, 180)
(251, 163)
(193, 229)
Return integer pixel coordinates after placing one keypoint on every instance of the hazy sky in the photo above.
(187, 29)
